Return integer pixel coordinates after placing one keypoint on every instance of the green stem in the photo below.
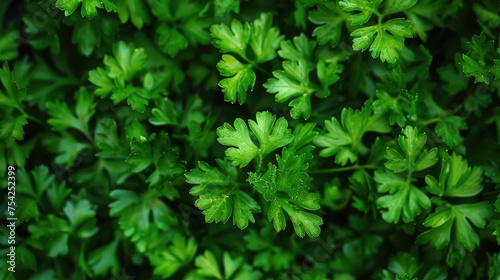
(343, 169)
(431, 121)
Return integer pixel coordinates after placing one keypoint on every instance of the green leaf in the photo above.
(456, 179)
(413, 159)
(8, 45)
(270, 133)
(141, 217)
(292, 83)
(396, 6)
(260, 37)
(13, 94)
(385, 41)
(301, 48)
(168, 170)
(235, 269)
(89, 7)
(219, 195)
(223, 7)
(135, 10)
(169, 260)
(495, 224)
(286, 188)
(344, 139)
(477, 62)
(472, 68)
(208, 266)
(240, 78)
(164, 113)
(448, 128)
(264, 39)
(12, 128)
(81, 216)
(84, 34)
(394, 105)
(63, 118)
(231, 39)
(59, 145)
(364, 10)
(171, 39)
(104, 259)
(54, 232)
(457, 218)
(404, 200)
(125, 62)
(331, 18)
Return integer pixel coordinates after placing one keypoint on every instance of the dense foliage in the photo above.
(227, 139)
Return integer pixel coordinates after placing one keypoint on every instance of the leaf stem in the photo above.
(342, 169)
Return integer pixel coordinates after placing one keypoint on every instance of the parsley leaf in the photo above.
(457, 218)
(294, 83)
(260, 37)
(386, 40)
(286, 188)
(168, 170)
(478, 61)
(448, 128)
(235, 268)
(62, 118)
(117, 78)
(270, 133)
(404, 199)
(456, 179)
(181, 25)
(331, 18)
(223, 7)
(168, 260)
(141, 217)
(89, 7)
(219, 194)
(344, 139)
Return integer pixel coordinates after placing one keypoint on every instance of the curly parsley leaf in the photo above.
(219, 194)
(344, 139)
(286, 188)
(270, 133)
